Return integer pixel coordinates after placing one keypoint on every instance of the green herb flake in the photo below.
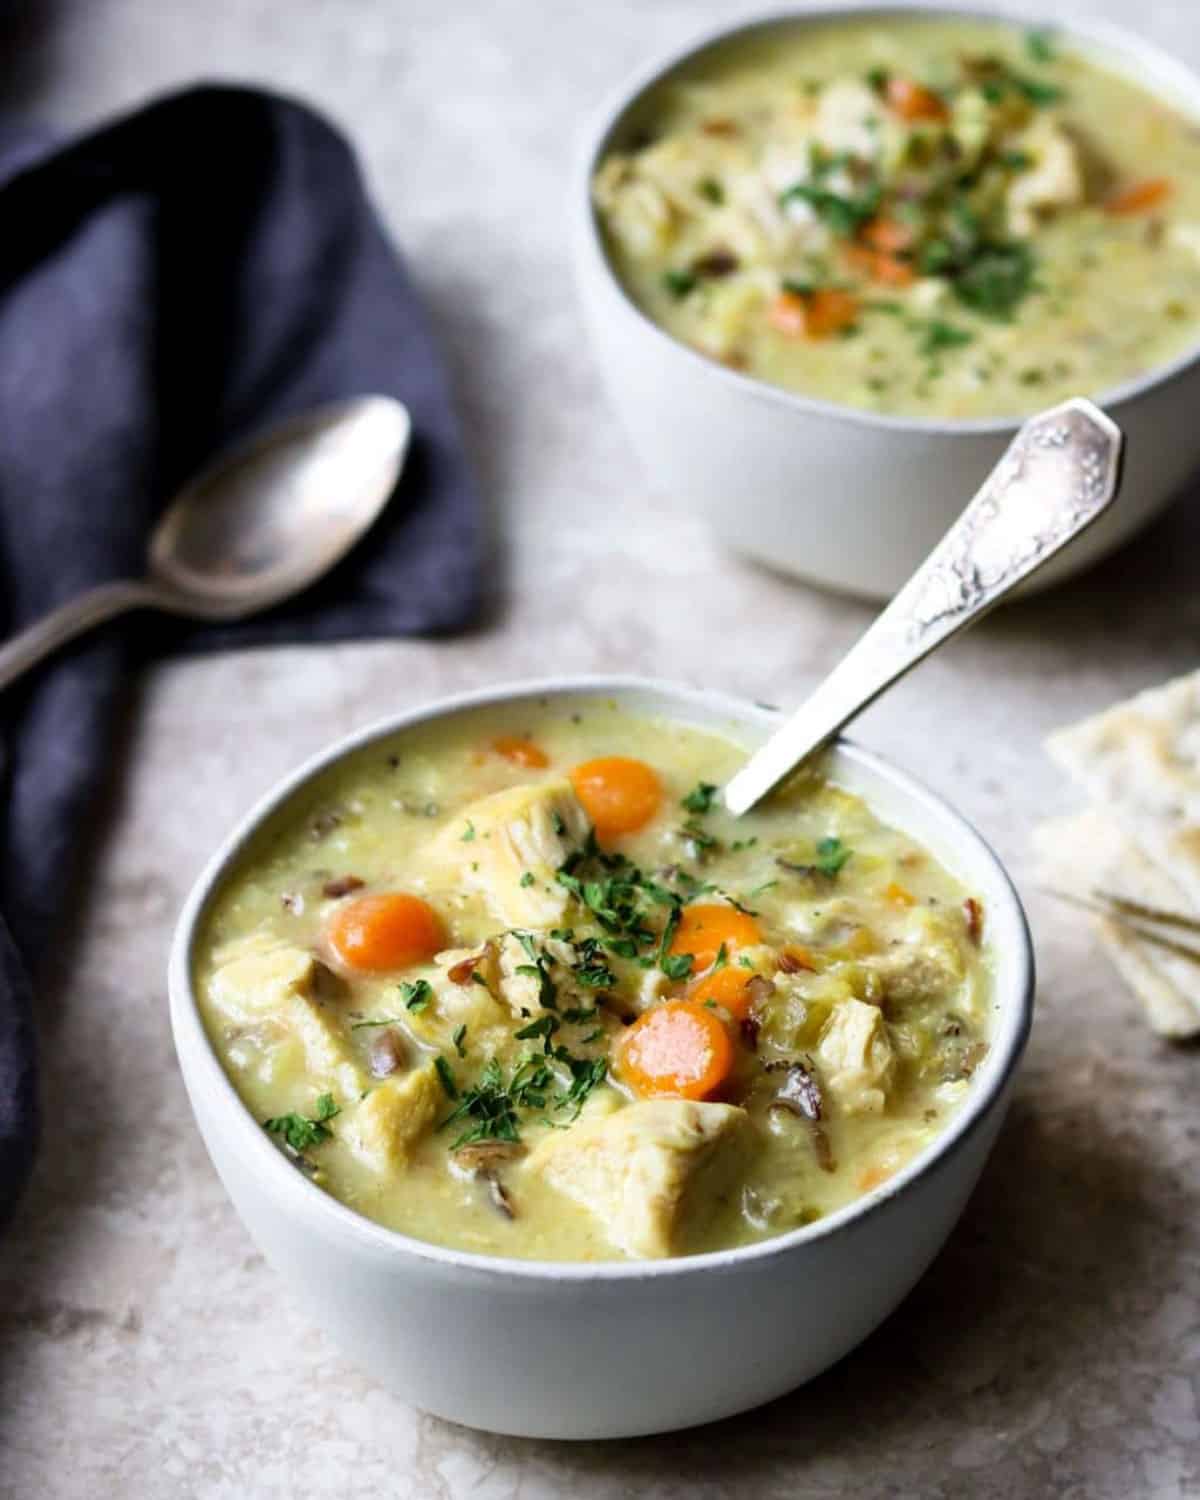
(936, 335)
(843, 216)
(382, 1021)
(302, 1132)
(1039, 44)
(445, 1075)
(416, 994)
(832, 855)
(544, 1027)
(459, 1039)
(700, 799)
(677, 965)
(469, 833)
(679, 283)
(722, 957)
(526, 880)
(711, 190)
(997, 280)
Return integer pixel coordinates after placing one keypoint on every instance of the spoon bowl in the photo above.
(262, 522)
(270, 517)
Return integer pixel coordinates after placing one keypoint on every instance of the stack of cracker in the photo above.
(1133, 857)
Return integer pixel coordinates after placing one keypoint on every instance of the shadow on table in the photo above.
(1024, 1301)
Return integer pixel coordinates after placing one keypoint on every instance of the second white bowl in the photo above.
(839, 496)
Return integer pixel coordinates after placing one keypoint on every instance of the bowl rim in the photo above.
(1152, 67)
(202, 1068)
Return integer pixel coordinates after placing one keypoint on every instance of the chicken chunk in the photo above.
(456, 999)
(518, 986)
(926, 963)
(516, 842)
(1054, 181)
(261, 978)
(850, 118)
(637, 211)
(858, 1065)
(383, 1128)
(652, 1172)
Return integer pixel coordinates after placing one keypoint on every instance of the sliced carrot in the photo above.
(378, 933)
(816, 315)
(521, 752)
(788, 314)
(708, 926)
(912, 101)
(899, 895)
(618, 794)
(888, 236)
(829, 311)
(1139, 196)
(877, 265)
(728, 987)
(677, 1050)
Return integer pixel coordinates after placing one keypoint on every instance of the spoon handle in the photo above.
(1058, 474)
(73, 618)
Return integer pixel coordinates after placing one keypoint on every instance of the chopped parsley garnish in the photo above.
(845, 216)
(1039, 43)
(301, 1132)
(996, 280)
(469, 833)
(445, 1075)
(416, 994)
(739, 844)
(679, 283)
(526, 880)
(579, 1014)
(700, 799)
(538, 969)
(382, 1021)
(711, 190)
(586, 1074)
(459, 1040)
(832, 854)
(937, 335)
(676, 965)
(544, 1027)
(695, 835)
(591, 970)
(722, 957)
(558, 823)
(491, 1105)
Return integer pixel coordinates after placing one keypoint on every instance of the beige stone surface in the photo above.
(145, 1349)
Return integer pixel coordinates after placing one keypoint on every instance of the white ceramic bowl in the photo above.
(613, 1349)
(836, 495)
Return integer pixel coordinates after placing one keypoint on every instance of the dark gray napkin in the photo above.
(168, 285)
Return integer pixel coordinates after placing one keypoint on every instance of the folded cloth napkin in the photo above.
(168, 285)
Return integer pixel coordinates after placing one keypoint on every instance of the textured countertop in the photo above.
(145, 1348)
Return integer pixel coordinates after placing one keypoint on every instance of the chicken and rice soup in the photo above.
(941, 218)
(515, 982)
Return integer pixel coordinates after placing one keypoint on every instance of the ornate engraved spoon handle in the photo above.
(1060, 472)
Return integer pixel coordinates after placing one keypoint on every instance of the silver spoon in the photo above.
(265, 521)
(1058, 475)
